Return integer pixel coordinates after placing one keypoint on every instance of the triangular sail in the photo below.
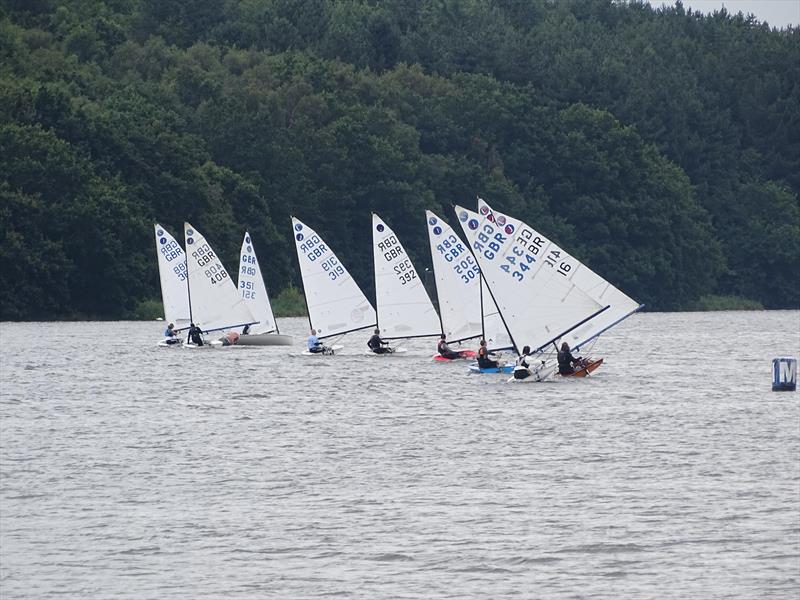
(214, 301)
(404, 307)
(457, 281)
(253, 289)
(586, 280)
(172, 273)
(537, 302)
(494, 330)
(336, 305)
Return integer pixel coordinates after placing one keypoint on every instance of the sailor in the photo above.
(230, 339)
(376, 344)
(195, 335)
(171, 334)
(484, 362)
(444, 349)
(521, 370)
(314, 345)
(246, 330)
(566, 361)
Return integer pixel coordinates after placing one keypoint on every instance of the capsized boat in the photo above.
(254, 293)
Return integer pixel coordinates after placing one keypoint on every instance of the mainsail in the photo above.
(214, 301)
(404, 308)
(336, 305)
(467, 308)
(253, 289)
(537, 302)
(457, 281)
(604, 293)
(173, 275)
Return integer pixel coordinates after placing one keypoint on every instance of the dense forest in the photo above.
(659, 146)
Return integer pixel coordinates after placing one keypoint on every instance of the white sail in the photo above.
(604, 293)
(215, 303)
(336, 305)
(494, 329)
(172, 273)
(253, 290)
(404, 307)
(537, 301)
(457, 281)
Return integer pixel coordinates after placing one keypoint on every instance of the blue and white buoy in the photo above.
(784, 374)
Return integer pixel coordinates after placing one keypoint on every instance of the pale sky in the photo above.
(778, 13)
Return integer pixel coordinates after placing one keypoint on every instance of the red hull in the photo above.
(463, 353)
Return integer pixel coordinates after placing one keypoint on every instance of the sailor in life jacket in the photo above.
(566, 361)
(171, 334)
(444, 349)
(484, 362)
(522, 368)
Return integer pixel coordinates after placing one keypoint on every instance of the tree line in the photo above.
(659, 146)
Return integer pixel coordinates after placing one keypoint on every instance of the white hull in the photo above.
(543, 373)
(265, 339)
(369, 352)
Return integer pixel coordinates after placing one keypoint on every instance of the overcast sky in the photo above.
(778, 13)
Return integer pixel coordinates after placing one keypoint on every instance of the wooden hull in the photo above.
(591, 365)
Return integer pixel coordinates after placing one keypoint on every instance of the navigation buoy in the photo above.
(784, 374)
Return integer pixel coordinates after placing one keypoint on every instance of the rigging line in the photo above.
(599, 333)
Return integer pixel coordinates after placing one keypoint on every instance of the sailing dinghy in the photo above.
(404, 309)
(254, 293)
(620, 305)
(172, 274)
(336, 305)
(214, 302)
(467, 310)
(537, 304)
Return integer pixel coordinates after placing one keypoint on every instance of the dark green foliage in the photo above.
(657, 145)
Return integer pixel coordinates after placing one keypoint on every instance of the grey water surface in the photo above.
(130, 471)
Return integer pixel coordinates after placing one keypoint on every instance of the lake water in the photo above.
(129, 471)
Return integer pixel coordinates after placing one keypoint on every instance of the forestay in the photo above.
(172, 273)
(538, 303)
(253, 289)
(214, 301)
(336, 305)
(404, 308)
(596, 287)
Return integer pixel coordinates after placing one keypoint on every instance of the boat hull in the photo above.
(501, 369)
(265, 339)
(462, 355)
(591, 365)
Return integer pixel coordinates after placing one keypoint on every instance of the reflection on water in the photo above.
(131, 471)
